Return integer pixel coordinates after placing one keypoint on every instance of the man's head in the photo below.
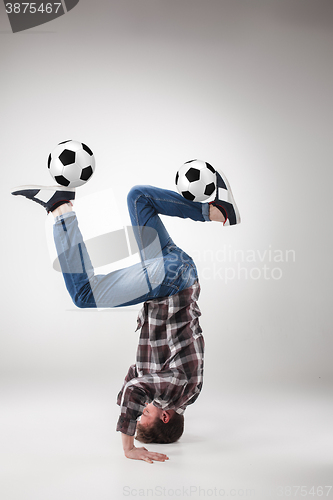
(159, 426)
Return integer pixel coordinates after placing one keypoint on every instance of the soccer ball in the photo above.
(71, 163)
(196, 180)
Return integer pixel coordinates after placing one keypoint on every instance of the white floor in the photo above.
(58, 443)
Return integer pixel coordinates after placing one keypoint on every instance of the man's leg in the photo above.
(168, 268)
(123, 287)
(165, 268)
(126, 286)
(88, 290)
(146, 203)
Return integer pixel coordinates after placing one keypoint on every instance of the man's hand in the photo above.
(144, 454)
(140, 453)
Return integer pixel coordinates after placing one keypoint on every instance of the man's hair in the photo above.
(161, 432)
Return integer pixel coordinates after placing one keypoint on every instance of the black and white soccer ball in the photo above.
(71, 163)
(196, 180)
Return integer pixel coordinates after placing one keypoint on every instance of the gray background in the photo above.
(148, 85)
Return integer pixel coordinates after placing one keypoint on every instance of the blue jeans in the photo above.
(164, 269)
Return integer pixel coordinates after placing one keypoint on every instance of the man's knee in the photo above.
(78, 302)
(84, 299)
(134, 193)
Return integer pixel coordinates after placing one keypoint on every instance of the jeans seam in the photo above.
(164, 199)
(62, 238)
(137, 224)
(77, 293)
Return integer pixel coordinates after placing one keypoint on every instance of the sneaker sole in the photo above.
(47, 188)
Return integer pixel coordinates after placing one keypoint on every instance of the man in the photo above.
(168, 373)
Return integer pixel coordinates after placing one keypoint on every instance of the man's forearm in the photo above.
(128, 442)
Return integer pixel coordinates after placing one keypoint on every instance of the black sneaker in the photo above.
(224, 200)
(50, 197)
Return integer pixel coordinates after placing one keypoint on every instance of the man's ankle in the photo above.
(215, 214)
(62, 209)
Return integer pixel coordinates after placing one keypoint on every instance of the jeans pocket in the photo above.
(188, 277)
(171, 273)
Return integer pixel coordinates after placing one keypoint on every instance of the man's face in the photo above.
(149, 415)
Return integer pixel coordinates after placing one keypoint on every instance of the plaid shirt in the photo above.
(169, 362)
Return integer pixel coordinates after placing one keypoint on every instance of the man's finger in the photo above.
(158, 456)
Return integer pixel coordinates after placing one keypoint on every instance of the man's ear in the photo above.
(165, 417)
